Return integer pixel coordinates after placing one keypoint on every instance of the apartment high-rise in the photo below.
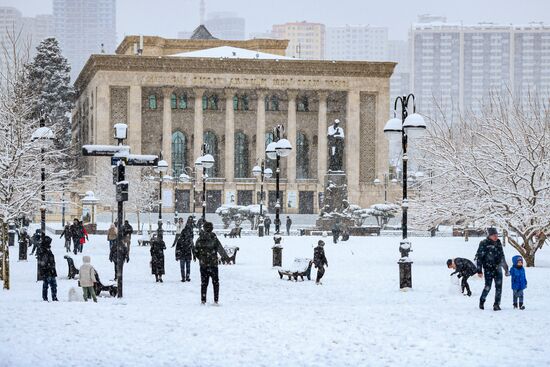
(362, 42)
(454, 67)
(226, 25)
(306, 40)
(82, 27)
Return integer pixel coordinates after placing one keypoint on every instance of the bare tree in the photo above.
(491, 168)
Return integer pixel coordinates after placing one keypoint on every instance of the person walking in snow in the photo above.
(320, 260)
(465, 269)
(157, 257)
(335, 232)
(46, 263)
(490, 259)
(267, 225)
(184, 249)
(519, 281)
(67, 234)
(77, 232)
(87, 279)
(112, 236)
(127, 231)
(288, 225)
(207, 248)
(24, 240)
(35, 241)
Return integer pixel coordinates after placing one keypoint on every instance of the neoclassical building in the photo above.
(176, 95)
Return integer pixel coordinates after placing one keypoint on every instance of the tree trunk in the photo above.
(6, 256)
(529, 260)
(524, 250)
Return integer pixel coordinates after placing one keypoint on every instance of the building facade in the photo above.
(33, 29)
(82, 27)
(306, 40)
(174, 103)
(455, 66)
(362, 42)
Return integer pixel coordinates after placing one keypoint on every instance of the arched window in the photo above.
(274, 103)
(211, 141)
(303, 104)
(204, 102)
(152, 102)
(302, 156)
(270, 163)
(173, 101)
(179, 158)
(244, 102)
(213, 102)
(241, 155)
(183, 102)
(235, 103)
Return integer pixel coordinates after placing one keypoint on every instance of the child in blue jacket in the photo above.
(519, 281)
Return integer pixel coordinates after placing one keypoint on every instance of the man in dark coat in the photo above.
(267, 225)
(465, 269)
(67, 234)
(46, 262)
(113, 255)
(127, 231)
(184, 249)
(35, 241)
(207, 249)
(490, 258)
(320, 260)
(23, 243)
(157, 257)
(288, 225)
(335, 232)
(77, 232)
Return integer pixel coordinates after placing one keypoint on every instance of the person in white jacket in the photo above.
(87, 279)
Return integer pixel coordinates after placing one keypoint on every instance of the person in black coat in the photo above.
(207, 248)
(23, 243)
(465, 269)
(113, 255)
(184, 249)
(320, 260)
(35, 241)
(77, 232)
(335, 232)
(157, 257)
(288, 225)
(267, 225)
(490, 259)
(67, 234)
(46, 262)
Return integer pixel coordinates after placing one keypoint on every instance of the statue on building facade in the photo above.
(336, 147)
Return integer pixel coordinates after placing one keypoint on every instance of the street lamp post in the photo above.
(412, 126)
(280, 147)
(161, 168)
(378, 182)
(205, 161)
(43, 136)
(263, 173)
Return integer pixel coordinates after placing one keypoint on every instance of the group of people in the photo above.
(267, 225)
(77, 233)
(490, 263)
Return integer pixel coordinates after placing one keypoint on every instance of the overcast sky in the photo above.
(168, 17)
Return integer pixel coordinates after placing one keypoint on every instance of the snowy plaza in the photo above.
(357, 317)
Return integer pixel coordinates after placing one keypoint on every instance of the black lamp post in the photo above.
(263, 173)
(205, 161)
(43, 137)
(278, 148)
(161, 168)
(412, 126)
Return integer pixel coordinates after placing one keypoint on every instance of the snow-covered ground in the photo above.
(358, 317)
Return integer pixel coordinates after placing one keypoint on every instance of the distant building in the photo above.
(82, 26)
(225, 25)
(306, 40)
(456, 66)
(398, 51)
(361, 42)
(34, 29)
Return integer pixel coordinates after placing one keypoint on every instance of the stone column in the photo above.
(229, 136)
(134, 119)
(198, 124)
(322, 140)
(167, 126)
(260, 125)
(352, 144)
(291, 136)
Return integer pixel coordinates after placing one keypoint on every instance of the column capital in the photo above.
(292, 94)
(199, 92)
(323, 95)
(229, 93)
(167, 91)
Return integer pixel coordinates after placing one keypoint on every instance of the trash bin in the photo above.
(11, 234)
(261, 229)
(277, 252)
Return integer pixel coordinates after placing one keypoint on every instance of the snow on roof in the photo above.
(229, 52)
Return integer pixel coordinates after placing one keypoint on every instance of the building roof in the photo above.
(230, 52)
(201, 33)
